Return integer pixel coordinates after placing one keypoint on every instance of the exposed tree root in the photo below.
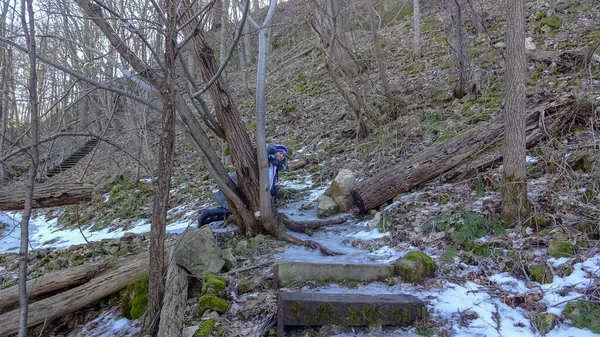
(308, 243)
(303, 226)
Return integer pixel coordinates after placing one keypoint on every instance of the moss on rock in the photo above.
(539, 273)
(560, 248)
(206, 328)
(213, 284)
(583, 314)
(545, 322)
(134, 300)
(414, 266)
(211, 302)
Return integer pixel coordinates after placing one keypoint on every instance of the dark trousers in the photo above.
(209, 215)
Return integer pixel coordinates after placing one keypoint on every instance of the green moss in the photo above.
(560, 248)
(539, 274)
(540, 222)
(584, 315)
(545, 322)
(213, 284)
(444, 199)
(371, 315)
(414, 266)
(429, 26)
(211, 302)
(553, 22)
(206, 328)
(134, 300)
(288, 109)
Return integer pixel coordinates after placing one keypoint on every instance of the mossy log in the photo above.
(51, 284)
(457, 156)
(109, 282)
(46, 195)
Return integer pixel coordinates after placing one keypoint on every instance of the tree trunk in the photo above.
(74, 299)
(266, 204)
(551, 115)
(47, 195)
(515, 203)
(51, 283)
(172, 314)
(224, 34)
(156, 284)
(33, 105)
(460, 49)
(385, 84)
(417, 54)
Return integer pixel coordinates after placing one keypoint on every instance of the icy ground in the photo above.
(446, 303)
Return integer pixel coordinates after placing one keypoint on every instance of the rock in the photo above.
(327, 207)
(198, 252)
(529, 45)
(340, 188)
(374, 223)
(113, 250)
(545, 322)
(414, 266)
(539, 273)
(189, 331)
(560, 248)
(241, 249)
(500, 45)
(128, 236)
(250, 284)
(230, 260)
(253, 304)
(257, 241)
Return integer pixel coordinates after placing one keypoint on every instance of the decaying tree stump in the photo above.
(545, 115)
(47, 195)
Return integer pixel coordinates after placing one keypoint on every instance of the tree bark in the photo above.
(417, 54)
(28, 22)
(51, 283)
(172, 314)
(515, 203)
(156, 284)
(553, 115)
(47, 195)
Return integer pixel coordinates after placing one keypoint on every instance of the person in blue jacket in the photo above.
(277, 162)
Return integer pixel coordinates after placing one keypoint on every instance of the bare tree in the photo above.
(417, 54)
(266, 204)
(156, 284)
(460, 47)
(375, 25)
(340, 61)
(515, 203)
(28, 23)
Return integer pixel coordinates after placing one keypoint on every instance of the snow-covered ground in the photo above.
(492, 316)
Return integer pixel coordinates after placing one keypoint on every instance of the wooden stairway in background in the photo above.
(73, 159)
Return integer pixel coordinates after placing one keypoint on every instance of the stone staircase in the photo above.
(341, 309)
(74, 158)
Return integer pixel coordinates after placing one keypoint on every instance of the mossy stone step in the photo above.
(313, 309)
(286, 273)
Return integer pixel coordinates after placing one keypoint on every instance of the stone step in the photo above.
(286, 273)
(314, 309)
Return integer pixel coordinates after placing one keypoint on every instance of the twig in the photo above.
(239, 270)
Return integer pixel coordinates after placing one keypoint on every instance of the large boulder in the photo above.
(198, 252)
(327, 207)
(340, 188)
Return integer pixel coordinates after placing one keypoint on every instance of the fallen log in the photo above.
(543, 114)
(50, 284)
(47, 195)
(74, 299)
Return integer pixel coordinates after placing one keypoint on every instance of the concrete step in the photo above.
(286, 273)
(314, 309)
